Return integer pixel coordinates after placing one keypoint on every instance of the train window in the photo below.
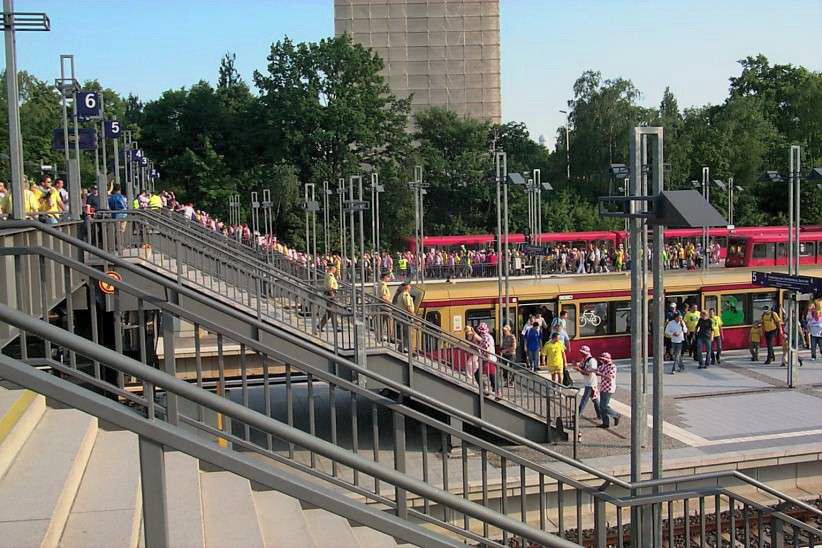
(761, 301)
(710, 302)
(819, 248)
(593, 319)
(571, 323)
(735, 310)
(722, 241)
(781, 250)
(477, 316)
(806, 249)
(431, 343)
(622, 317)
(763, 251)
(434, 318)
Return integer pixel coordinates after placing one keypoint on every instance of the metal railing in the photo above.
(353, 419)
(289, 299)
(361, 424)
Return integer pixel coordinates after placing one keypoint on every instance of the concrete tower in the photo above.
(444, 52)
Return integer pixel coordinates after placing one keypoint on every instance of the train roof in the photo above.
(580, 286)
(773, 236)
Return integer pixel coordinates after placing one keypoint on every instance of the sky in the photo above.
(148, 46)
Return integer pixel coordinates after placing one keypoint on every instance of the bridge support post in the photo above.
(153, 485)
(359, 350)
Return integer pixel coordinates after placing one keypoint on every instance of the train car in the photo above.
(599, 306)
(771, 249)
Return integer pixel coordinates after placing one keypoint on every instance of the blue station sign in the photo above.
(801, 284)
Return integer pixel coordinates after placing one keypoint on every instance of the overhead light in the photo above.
(720, 184)
(815, 174)
(515, 178)
(772, 176)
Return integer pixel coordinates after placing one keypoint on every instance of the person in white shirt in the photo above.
(676, 331)
(814, 320)
(588, 367)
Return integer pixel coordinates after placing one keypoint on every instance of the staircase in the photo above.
(411, 352)
(68, 482)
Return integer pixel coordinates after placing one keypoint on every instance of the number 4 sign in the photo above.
(88, 104)
(113, 129)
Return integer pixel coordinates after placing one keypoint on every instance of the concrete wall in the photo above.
(444, 52)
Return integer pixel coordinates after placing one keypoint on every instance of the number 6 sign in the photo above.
(113, 129)
(88, 104)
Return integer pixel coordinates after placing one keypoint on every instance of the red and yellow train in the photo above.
(599, 305)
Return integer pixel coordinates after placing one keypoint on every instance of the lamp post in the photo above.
(341, 192)
(567, 147)
(732, 188)
(13, 23)
(376, 261)
(326, 216)
(706, 192)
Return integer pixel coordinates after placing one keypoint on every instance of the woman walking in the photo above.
(588, 368)
(607, 375)
(489, 359)
(471, 358)
(508, 350)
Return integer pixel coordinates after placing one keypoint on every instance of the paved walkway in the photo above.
(737, 404)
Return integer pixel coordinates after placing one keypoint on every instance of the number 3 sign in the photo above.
(88, 104)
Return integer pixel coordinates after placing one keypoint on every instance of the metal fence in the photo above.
(360, 445)
(288, 298)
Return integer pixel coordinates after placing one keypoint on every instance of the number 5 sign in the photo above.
(88, 104)
(113, 129)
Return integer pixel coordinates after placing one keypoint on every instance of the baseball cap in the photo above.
(585, 349)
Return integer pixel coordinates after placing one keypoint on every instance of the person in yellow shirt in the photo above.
(754, 338)
(771, 325)
(331, 287)
(31, 205)
(691, 319)
(406, 302)
(553, 356)
(385, 295)
(716, 341)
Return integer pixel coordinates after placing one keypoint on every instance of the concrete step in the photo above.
(282, 521)
(37, 492)
(108, 509)
(185, 506)
(371, 538)
(330, 530)
(20, 411)
(230, 517)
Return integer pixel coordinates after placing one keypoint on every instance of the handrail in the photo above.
(266, 424)
(403, 389)
(300, 342)
(164, 434)
(274, 353)
(167, 215)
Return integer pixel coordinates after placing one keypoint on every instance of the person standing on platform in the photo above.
(533, 343)
(489, 359)
(691, 319)
(385, 295)
(508, 350)
(606, 371)
(588, 368)
(815, 328)
(704, 333)
(406, 302)
(716, 337)
(771, 324)
(554, 354)
(754, 337)
(675, 332)
(331, 287)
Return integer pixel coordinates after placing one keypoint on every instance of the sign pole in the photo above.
(13, 102)
(102, 182)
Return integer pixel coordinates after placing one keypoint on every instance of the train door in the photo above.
(476, 316)
(683, 302)
(548, 309)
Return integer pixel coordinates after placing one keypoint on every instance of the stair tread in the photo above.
(222, 492)
(20, 411)
(282, 520)
(42, 481)
(106, 511)
(330, 530)
(371, 538)
(185, 507)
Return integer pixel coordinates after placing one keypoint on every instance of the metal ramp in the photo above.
(400, 347)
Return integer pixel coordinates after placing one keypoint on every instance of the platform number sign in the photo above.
(144, 161)
(88, 104)
(113, 129)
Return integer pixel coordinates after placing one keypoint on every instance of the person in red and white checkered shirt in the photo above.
(607, 386)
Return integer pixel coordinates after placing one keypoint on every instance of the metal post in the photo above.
(362, 250)
(537, 176)
(116, 149)
(626, 187)
(420, 259)
(730, 200)
(375, 257)
(326, 235)
(497, 158)
(507, 315)
(706, 191)
(255, 217)
(353, 249)
(153, 486)
(658, 185)
(795, 163)
(13, 102)
(102, 182)
(341, 192)
(637, 403)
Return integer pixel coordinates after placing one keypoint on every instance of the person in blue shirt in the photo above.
(533, 343)
(117, 204)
